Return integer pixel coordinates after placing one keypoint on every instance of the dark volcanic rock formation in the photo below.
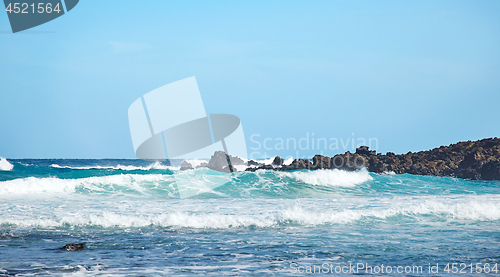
(278, 161)
(221, 161)
(475, 160)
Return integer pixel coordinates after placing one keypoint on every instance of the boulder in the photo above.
(252, 162)
(364, 150)
(220, 161)
(74, 247)
(278, 161)
(185, 166)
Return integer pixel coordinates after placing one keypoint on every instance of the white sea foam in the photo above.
(156, 165)
(199, 180)
(226, 217)
(240, 167)
(5, 165)
(334, 177)
(33, 185)
(197, 163)
(288, 161)
(270, 161)
(470, 210)
(175, 219)
(388, 173)
(267, 161)
(475, 211)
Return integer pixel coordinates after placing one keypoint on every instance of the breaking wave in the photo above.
(333, 177)
(113, 183)
(156, 165)
(145, 216)
(190, 183)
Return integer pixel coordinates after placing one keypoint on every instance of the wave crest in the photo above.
(156, 165)
(163, 215)
(335, 177)
(112, 183)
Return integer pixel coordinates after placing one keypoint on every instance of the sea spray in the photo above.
(332, 177)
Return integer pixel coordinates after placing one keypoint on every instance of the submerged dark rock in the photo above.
(74, 247)
(474, 160)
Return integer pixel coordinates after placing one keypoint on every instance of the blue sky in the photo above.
(412, 74)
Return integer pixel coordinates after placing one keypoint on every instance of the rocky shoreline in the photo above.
(474, 160)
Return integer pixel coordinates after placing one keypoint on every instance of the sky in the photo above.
(409, 75)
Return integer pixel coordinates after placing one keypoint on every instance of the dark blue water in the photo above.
(148, 219)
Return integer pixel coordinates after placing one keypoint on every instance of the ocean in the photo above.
(136, 221)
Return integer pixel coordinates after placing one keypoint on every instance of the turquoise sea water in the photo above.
(135, 221)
